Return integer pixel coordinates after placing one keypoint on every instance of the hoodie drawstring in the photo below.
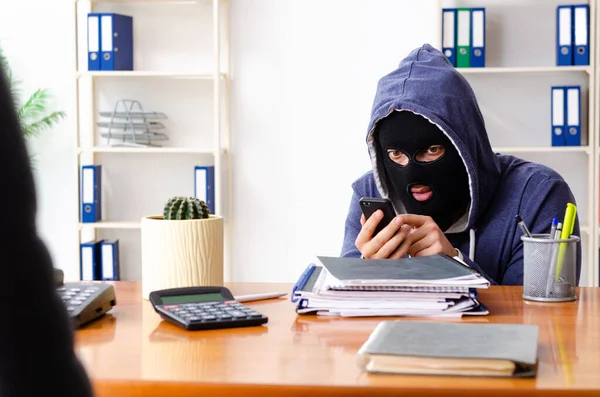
(472, 245)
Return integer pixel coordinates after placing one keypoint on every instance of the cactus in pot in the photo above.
(179, 208)
(182, 247)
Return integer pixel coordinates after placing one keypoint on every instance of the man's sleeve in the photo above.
(352, 228)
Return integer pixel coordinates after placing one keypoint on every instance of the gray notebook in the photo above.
(433, 267)
(438, 348)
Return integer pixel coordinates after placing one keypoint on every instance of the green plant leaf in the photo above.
(35, 105)
(33, 129)
(31, 114)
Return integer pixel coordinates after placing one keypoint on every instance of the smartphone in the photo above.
(371, 204)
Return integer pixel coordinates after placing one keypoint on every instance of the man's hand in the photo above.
(386, 243)
(426, 237)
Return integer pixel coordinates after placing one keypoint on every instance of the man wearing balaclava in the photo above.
(452, 194)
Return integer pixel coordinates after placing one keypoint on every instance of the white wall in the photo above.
(37, 39)
(303, 79)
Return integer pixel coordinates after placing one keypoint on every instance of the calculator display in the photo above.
(177, 299)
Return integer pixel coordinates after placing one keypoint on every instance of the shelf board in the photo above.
(150, 73)
(111, 225)
(152, 1)
(153, 150)
(542, 149)
(533, 69)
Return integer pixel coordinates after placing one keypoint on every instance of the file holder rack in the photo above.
(131, 126)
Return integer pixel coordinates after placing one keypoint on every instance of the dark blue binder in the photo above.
(89, 260)
(564, 35)
(110, 268)
(93, 41)
(204, 185)
(477, 37)
(449, 34)
(116, 43)
(581, 34)
(573, 115)
(558, 108)
(91, 193)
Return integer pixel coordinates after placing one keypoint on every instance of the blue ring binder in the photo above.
(301, 283)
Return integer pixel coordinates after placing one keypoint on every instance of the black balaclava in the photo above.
(447, 176)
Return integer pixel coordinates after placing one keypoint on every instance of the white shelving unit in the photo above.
(595, 183)
(189, 80)
(521, 53)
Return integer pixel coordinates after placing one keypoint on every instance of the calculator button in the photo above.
(75, 302)
(70, 309)
(238, 314)
(74, 289)
(61, 289)
(194, 318)
(209, 317)
(254, 314)
(225, 316)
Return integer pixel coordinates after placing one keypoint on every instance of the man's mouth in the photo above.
(421, 192)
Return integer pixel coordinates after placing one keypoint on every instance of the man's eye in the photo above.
(433, 149)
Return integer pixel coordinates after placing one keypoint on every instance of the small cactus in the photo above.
(179, 207)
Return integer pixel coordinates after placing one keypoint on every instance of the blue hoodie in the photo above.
(501, 186)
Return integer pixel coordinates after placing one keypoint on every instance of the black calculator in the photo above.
(200, 308)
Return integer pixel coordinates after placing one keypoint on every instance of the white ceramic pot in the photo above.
(181, 253)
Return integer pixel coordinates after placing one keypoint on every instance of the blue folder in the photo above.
(116, 32)
(91, 193)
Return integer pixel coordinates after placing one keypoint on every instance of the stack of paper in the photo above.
(426, 286)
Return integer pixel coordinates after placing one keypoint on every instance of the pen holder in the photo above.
(549, 268)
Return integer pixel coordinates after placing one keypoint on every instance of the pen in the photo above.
(552, 266)
(522, 226)
(553, 227)
(258, 297)
(558, 231)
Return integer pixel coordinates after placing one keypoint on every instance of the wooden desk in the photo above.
(132, 352)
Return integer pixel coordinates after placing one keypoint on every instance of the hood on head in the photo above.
(427, 84)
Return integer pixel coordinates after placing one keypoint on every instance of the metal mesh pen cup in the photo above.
(549, 268)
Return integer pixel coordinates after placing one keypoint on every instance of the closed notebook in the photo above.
(437, 348)
(432, 271)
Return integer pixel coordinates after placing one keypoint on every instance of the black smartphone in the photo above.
(371, 204)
